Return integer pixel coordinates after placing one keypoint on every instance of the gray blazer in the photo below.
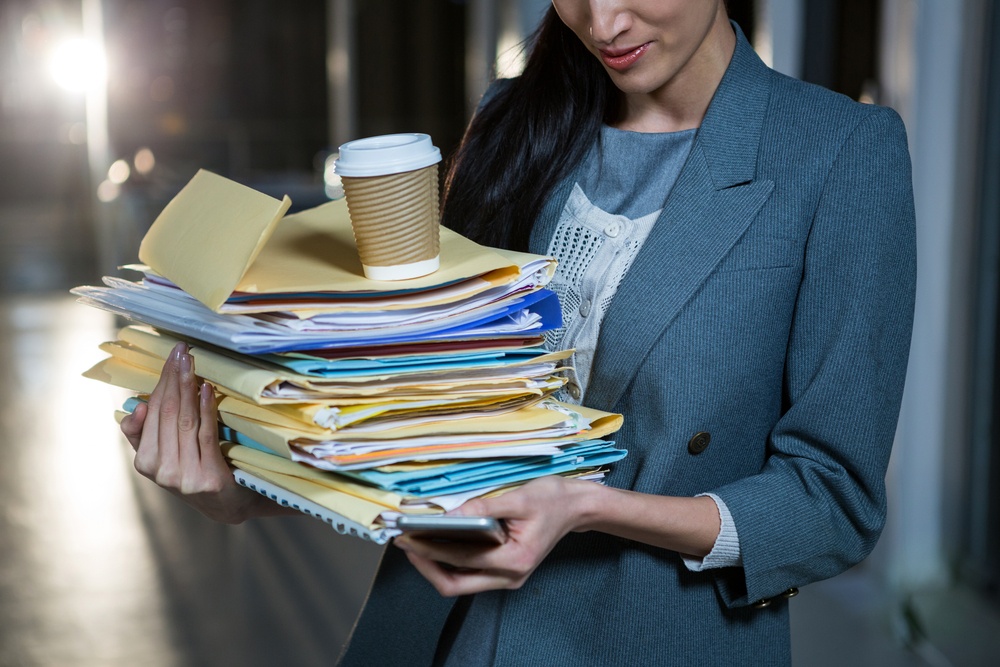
(771, 309)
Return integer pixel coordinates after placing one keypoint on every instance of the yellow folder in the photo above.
(526, 419)
(141, 377)
(356, 502)
(217, 236)
(207, 237)
(240, 375)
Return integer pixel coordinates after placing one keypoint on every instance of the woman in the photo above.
(737, 274)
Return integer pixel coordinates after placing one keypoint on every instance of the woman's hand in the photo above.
(537, 516)
(541, 512)
(176, 442)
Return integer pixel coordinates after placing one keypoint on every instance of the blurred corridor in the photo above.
(99, 567)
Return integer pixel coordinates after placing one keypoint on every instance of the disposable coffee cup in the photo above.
(391, 185)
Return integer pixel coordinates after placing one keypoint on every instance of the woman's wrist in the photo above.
(586, 500)
(686, 525)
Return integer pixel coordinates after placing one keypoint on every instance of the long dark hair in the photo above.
(525, 139)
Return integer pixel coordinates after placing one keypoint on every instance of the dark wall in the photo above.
(742, 11)
(234, 85)
(411, 76)
(840, 48)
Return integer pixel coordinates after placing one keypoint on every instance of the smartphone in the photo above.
(482, 529)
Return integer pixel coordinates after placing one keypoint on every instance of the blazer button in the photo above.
(763, 603)
(699, 442)
(790, 593)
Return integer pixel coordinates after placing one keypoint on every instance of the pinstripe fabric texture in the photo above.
(771, 306)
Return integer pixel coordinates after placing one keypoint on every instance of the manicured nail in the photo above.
(186, 364)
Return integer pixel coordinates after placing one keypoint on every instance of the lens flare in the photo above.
(78, 65)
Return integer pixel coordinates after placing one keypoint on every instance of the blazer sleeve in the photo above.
(818, 505)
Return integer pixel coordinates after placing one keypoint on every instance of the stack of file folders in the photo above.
(350, 399)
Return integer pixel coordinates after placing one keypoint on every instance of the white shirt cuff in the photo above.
(726, 550)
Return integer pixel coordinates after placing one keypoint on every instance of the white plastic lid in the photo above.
(386, 154)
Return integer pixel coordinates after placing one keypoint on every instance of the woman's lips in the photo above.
(622, 59)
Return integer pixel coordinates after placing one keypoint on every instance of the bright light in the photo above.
(107, 191)
(119, 172)
(78, 65)
(144, 161)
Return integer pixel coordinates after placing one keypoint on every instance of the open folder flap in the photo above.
(209, 234)
(314, 251)
(217, 237)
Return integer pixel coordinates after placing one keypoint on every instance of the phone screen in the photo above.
(483, 529)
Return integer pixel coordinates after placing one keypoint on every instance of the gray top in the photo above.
(614, 205)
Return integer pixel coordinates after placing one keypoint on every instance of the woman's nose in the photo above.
(608, 20)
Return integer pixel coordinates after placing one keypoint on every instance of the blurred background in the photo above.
(108, 107)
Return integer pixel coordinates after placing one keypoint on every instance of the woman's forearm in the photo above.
(687, 525)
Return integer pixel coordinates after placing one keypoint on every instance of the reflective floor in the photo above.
(76, 560)
(98, 567)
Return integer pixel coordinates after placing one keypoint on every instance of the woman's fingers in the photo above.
(451, 582)
(209, 435)
(537, 515)
(457, 553)
(176, 438)
(132, 425)
(511, 560)
(188, 425)
(168, 459)
(147, 456)
(216, 473)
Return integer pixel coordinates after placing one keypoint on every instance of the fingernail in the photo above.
(206, 392)
(185, 364)
(175, 354)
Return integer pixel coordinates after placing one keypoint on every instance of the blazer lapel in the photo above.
(713, 202)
